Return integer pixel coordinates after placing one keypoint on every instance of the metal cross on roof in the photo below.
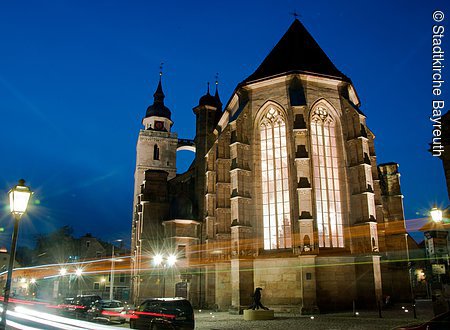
(295, 14)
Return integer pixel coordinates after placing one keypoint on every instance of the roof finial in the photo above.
(159, 94)
(208, 89)
(295, 14)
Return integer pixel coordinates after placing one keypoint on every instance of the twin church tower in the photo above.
(284, 193)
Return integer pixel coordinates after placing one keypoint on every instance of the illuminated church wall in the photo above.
(291, 198)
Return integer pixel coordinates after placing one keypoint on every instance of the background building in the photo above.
(284, 193)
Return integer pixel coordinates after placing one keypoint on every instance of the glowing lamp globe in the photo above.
(436, 214)
(19, 197)
(171, 260)
(157, 259)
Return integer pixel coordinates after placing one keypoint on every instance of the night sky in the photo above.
(76, 78)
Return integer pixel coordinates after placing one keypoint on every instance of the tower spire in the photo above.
(158, 108)
(216, 95)
(159, 94)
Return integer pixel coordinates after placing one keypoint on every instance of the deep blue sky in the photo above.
(77, 76)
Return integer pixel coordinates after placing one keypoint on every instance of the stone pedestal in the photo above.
(259, 314)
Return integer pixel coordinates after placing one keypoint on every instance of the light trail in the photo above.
(41, 320)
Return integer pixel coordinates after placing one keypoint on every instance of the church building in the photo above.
(284, 193)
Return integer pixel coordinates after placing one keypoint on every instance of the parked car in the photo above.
(107, 310)
(78, 306)
(163, 313)
(439, 322)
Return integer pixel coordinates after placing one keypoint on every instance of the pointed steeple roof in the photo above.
(217, 97)
(158, 108)
(297, 51)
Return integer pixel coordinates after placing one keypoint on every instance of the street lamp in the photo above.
(436, 214)
(111, 284)
(18, 200)
(65, 289)
(103, 281)
(78, 273)
(163, 262)
(438, 251)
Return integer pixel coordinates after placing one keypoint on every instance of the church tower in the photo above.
(157, 145)
(155, 165)
(208, 112)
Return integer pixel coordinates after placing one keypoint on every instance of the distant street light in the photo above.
(19, 197)
(111, 282)
(436, 214)
(171, 260)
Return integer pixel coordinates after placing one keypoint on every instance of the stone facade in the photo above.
(284, 193)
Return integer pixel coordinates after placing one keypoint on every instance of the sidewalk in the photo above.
(396, 316)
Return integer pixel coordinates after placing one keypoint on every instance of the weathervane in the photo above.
(217, 78)
(161, 68)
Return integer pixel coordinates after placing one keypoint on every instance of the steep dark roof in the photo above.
(296, 51)
(158, 108)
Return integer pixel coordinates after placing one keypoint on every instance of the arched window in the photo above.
(274, 182)
(155, 152)
(326, 178)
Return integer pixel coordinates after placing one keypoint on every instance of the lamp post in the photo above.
(163, 262)
(78, 273)
(111, 282)
(437, 252)
(103, 281)
(411, 287)
(18, 200)
(65, 289)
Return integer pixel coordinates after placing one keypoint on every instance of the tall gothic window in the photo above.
(274, 182)
(326, 179)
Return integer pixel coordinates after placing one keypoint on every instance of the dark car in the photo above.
(107, 310)
(439, 322)
(78, 306)
(163, 313)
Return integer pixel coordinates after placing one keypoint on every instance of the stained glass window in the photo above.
(274, 182)
(325, 159)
